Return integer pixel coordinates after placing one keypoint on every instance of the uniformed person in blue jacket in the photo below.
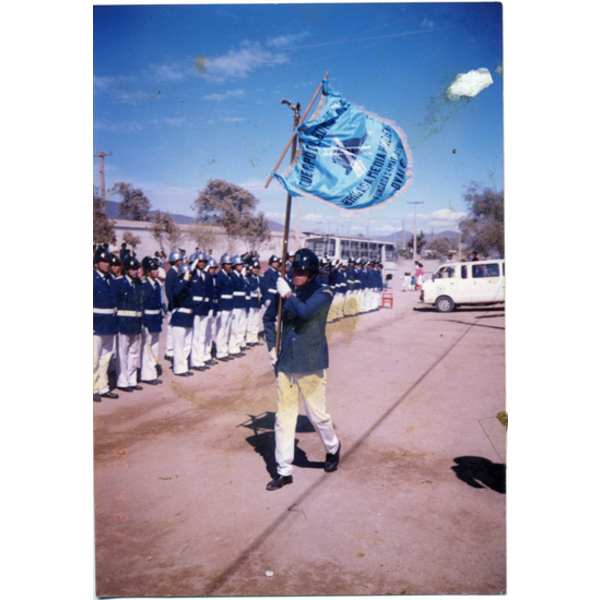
(182, 321)
(200, 284)
(270, 279)
(105, 323)
(237, 337)
(225, 308)
(152, 320)
(175, 260)
(254, 291)
(301, 365)
(129, 320)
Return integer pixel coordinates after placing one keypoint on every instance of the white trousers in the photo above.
(182, 345)
(253, 325)
(129, 354)
(200, 332)
(223, 333)
(103, 351)
(149, 355)
(169, 342)
(312, 386)
(238, 330)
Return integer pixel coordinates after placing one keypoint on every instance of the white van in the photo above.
(453, 284)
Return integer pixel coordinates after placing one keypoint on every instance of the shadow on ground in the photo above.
(263, 441)
(481, 473)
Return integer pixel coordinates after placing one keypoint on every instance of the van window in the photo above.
(491, 270)
(446, 273)
(464, 271)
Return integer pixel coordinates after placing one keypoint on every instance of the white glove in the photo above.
(282, 287)
(273, 357)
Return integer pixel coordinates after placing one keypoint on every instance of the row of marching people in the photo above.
(212, 311)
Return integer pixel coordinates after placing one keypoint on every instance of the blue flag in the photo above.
(347, 157)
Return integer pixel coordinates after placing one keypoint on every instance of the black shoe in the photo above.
(199, 368)
(125, 389)
(224, 359)
(237, 354)
(169, 358)
(332, 460)
(109, 395)
(187, 374)
(279, 482)
(211, 362)
(97, 398)
(151, 381)
(137, 387)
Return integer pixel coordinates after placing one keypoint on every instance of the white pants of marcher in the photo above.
(129, 354)
(236, 339)
(169, 342)
(253, 325)
(210, 336)
(201, 326)
(103, 350)
(149, 355)
(182, 345)
(312, 386)
(223, 333)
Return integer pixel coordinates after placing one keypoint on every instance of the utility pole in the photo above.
(415, 231)
(101, 156)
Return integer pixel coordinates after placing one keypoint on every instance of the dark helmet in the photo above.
(149, 264)
(131, 262)
(101, 255)
(255, 265)
(274, 258)
(115, 261)
(305, 259)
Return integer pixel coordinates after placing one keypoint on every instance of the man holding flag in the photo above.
(301, 365)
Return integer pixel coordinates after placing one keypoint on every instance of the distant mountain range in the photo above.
(112, 212)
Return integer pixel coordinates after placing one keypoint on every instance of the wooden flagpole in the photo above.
(288, 208)
(293, 138)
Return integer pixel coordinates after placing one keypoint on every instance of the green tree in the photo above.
(134, 205)
(165, 230)
(440, 246)
(483, 229)
(131, 240)
(232, 207)
(420, 243)
(104, 228)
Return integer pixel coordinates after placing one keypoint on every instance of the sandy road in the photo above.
(417, 505)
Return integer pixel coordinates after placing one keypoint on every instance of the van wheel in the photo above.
(444, 304)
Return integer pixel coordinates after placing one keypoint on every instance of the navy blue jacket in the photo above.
(270, 283)
(171, 279)
(254, 290)
(225, 284)
(130, 304)
(201, 285)
(153, 306)
(183, 299)
(239, 289)
(304, 318)
(105, 305)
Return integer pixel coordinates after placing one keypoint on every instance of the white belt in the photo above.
(238, 294)
(272, 290)
(129, 313)
(105, 311)
(184, 310)
(200, 299)
(226, 296)
(151, 312)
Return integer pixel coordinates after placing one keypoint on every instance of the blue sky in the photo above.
(188, 93)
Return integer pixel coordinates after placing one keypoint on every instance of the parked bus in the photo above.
(342, 248)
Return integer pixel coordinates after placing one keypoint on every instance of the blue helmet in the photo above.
(305, 259)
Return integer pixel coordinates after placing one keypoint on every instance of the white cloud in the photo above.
(234, 119)
(226, 96)
(240, 63)
(287, 40)
(122, 127)
(469, 84)
(170, 72)
(119, 89)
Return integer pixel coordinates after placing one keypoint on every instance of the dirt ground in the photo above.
(417, 506)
